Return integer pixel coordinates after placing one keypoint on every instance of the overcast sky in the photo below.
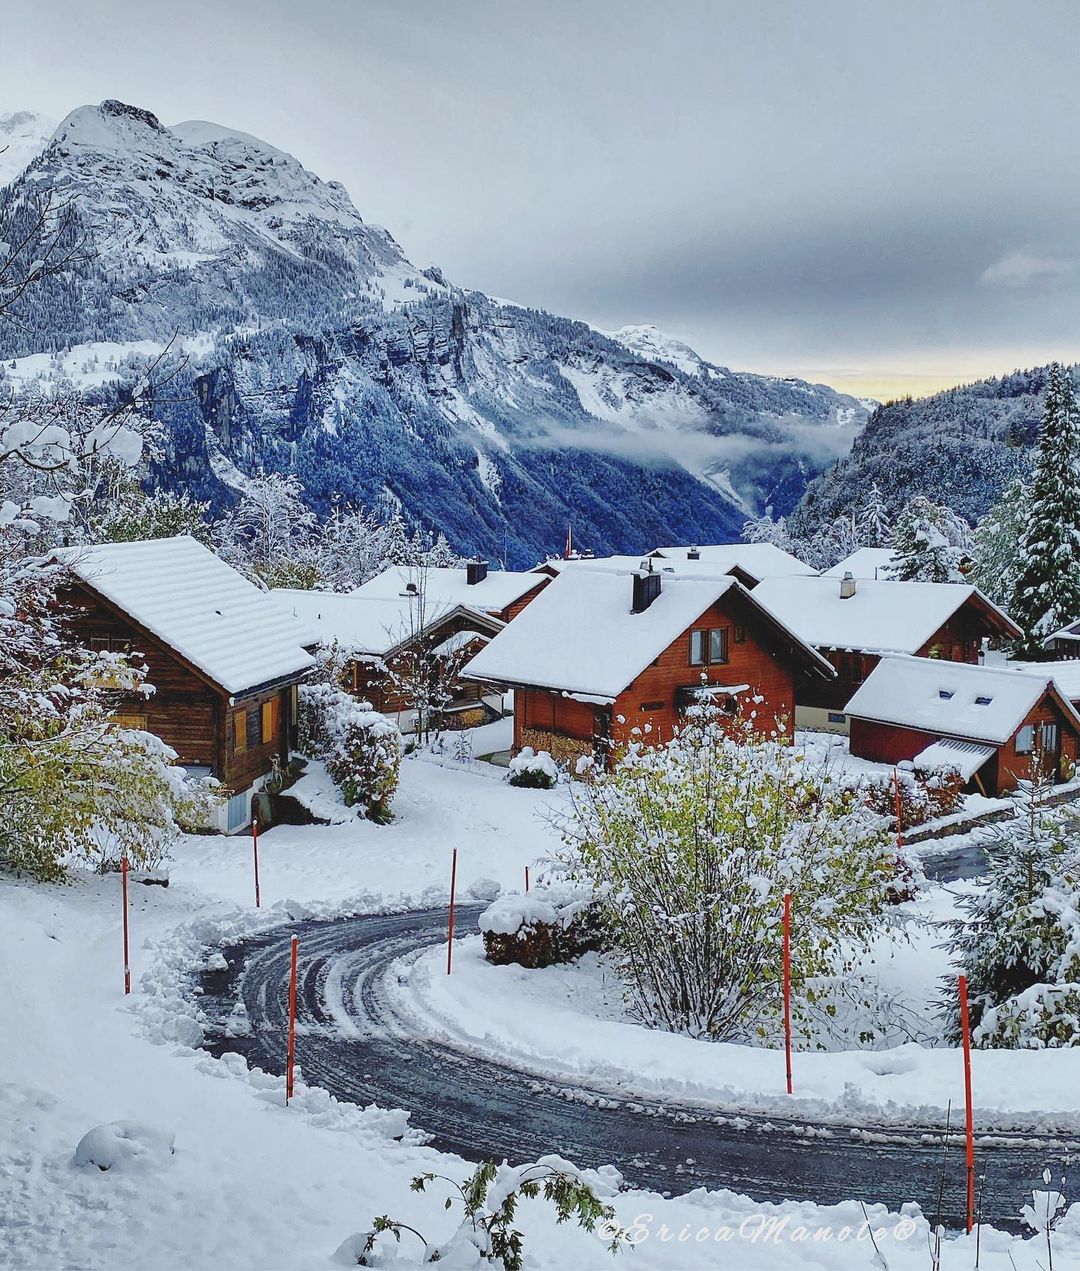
(879, 196)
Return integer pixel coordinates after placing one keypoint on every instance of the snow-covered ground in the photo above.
(252, 1184)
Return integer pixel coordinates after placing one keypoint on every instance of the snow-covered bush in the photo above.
(690, 847)
(535, 770)
(1019, 941)
(923, 796)
(489, 1200)
(361, 748)
(122, 1144)
(541, 927)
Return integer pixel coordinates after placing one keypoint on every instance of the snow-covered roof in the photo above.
(967, 757)
(881, 617)
(445, 587)
(204, 610)
(864, 562)
(366, 624)
(580, 635)
(1066, 674)
(954, 699)
(1071, 632)
(762, 560)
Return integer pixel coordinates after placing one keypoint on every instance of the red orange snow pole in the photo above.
(255, 854)
(787, 985)
(526, 878)
(450, 934)
(969, 1122)
(899, 809)
(291, 1058)
(124, 890)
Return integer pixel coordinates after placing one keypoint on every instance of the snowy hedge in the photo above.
(361, 748)
(533, 769)
(538, 928)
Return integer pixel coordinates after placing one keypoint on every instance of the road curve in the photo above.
(351, 1043)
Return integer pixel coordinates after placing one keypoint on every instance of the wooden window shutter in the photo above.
(240, 730)
(271, 720)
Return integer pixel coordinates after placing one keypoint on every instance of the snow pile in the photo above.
(125, 1144)
(557, 905)
(535, 769)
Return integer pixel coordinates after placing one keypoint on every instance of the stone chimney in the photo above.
(847, 586)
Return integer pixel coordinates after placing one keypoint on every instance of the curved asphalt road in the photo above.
(351, 1043)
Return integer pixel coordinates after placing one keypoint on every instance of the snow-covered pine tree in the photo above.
(1047, 592)
(1019, 940)
(873, 524)
(997, 544)
(923, 546)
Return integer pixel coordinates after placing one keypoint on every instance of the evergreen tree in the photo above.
(924, 546)
(1018, 942)
(873, 524)
(1047, 592)
(997, 544)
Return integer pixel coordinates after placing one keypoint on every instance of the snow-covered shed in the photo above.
(853, 621)
(503, 593)
(223, 658)
(378, 636)
(605, 656)
(986, 722)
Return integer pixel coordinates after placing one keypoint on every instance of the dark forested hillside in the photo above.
(960, 447)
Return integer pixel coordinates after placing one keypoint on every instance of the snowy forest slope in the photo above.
(960, 447)
(313, 345)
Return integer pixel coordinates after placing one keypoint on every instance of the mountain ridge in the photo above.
(317, 337)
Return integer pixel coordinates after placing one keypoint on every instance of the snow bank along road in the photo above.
(349, 1041)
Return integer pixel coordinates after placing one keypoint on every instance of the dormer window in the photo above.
(945, 694)
(983, 701)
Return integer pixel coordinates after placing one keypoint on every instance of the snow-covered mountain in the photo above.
(23, 136)
(313, 344)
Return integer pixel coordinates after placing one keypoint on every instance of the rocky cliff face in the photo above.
(312, 344)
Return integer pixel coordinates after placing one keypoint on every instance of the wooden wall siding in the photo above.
(887, 743)
(512, 611)
(652, 700)
(185, 711)
(243, 767)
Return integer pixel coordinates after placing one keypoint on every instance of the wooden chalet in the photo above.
(223, 660)
(500, 593)
(985, 722)
(854, 621)
(378, 636)
(605, 657)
